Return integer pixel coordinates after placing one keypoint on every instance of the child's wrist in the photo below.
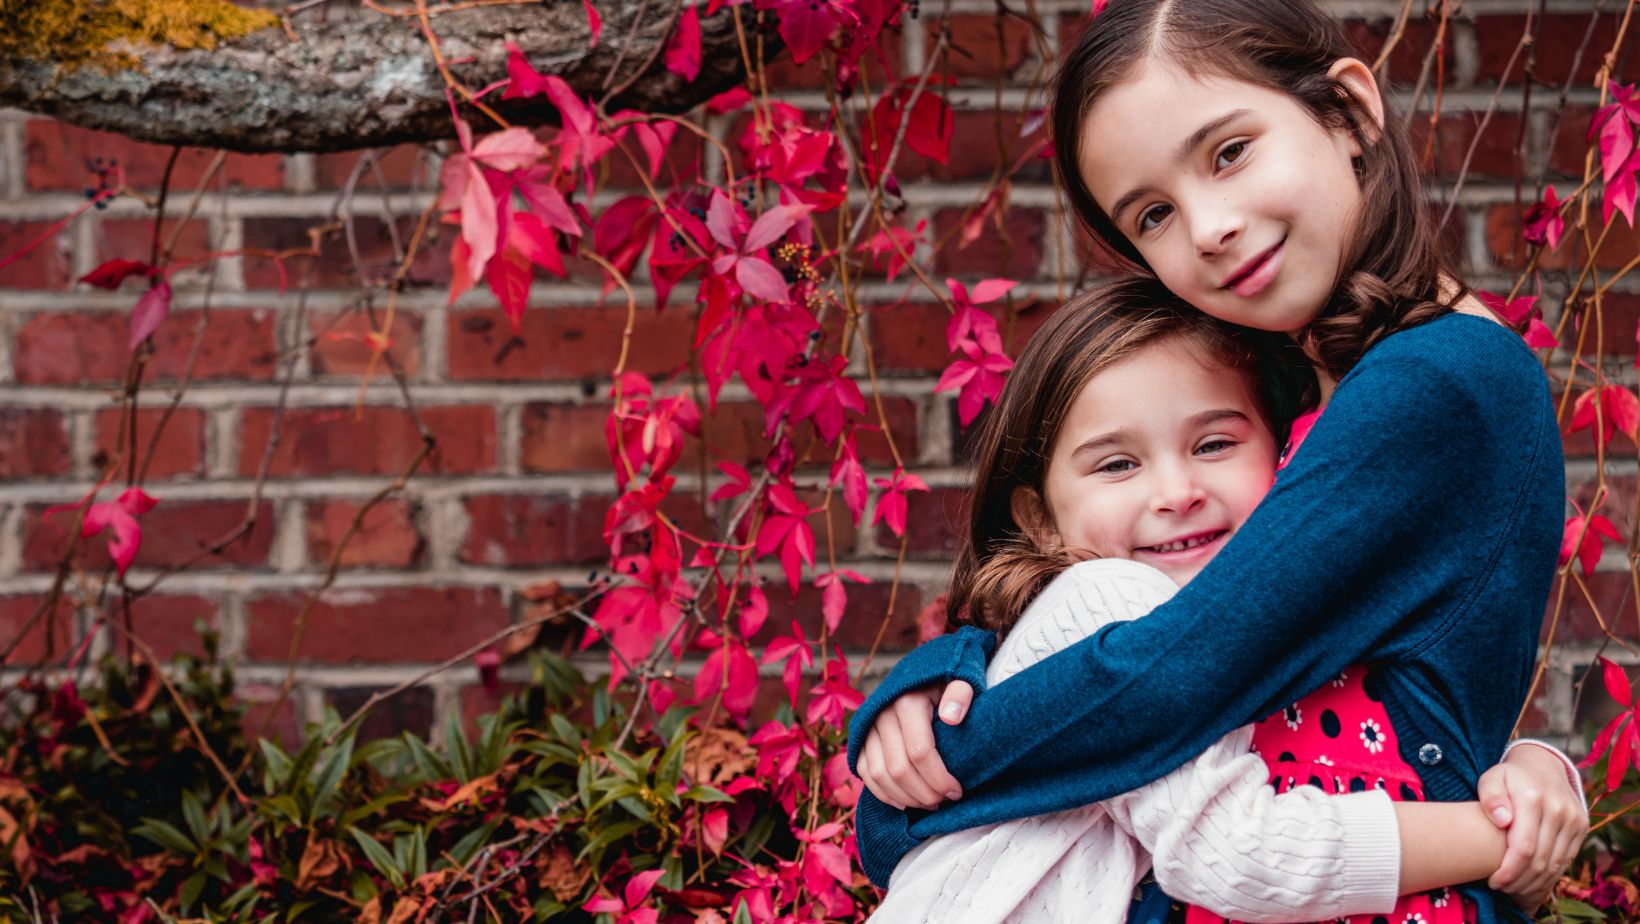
(1549, 760)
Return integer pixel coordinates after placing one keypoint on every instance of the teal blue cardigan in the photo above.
(1418, 530)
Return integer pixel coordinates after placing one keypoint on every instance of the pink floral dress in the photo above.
(1339, 738)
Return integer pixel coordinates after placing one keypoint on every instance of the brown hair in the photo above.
(998, 569)
(1391, 277)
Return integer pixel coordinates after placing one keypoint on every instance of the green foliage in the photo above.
(541, 807)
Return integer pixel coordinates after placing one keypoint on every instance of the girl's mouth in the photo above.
(1256, 274)
(1186, 544)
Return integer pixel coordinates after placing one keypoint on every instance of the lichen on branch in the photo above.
(103, 32)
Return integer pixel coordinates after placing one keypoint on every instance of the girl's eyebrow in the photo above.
(1208, 418)
(1184, 152)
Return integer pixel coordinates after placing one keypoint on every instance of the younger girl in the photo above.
(1160, 406)
(1236, 150)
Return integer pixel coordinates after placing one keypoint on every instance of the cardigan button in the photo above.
(1429, 755)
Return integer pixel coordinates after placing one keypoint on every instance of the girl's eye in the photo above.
(1229, 154)
(1117, 467)
(1152, 217)
(1215, 446)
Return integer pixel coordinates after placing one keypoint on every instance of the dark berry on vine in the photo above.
(814, 335)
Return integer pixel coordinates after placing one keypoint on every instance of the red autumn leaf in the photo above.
(824, 394)
(1617, 682)
(621, 233)
(930, 127)
(535, 186)
(893, 246)
(1584, 537)
(714, 830)
(110, 274)
(732, 670)
(786, 528)
(806, 25)
(739, 482)
(150, 310)
(595, 23)
(634, 512)
(1544, 224)
(798, 654)
(834, 697)
(851, 475)
(683, 48)
(729, 100)
(891, 505)
(120, 515)
(754, 612)
(1620, 192)
(833, 596)
(1619, 411)
(509, 274)
(979, 378)
(1616, 139)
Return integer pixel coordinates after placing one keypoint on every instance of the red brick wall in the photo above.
(517, 489)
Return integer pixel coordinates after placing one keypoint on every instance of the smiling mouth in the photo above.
(1187, 543)
(1253, 266)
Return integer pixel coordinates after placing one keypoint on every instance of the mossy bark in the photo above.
(366, 82)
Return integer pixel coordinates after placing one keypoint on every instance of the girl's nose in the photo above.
(1216, 228)
(1177, 492)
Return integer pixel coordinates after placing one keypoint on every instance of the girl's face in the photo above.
(1238, 199)
(1161, 458)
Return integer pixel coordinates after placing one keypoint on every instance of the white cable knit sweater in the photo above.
(1216, 833)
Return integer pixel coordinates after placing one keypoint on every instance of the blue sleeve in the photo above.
(1378, 531)
(960, 655)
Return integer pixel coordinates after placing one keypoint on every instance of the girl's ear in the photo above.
(1357, 78)
(1032, 516)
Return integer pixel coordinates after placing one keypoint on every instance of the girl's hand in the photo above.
(1530, 795)
(899, 762)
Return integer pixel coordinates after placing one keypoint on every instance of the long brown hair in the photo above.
(998, 569)
(1391, 277)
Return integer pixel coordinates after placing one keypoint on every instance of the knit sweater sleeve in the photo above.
(1218, 835)
(1377, 518)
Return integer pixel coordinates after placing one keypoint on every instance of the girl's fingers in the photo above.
(1494, 797)
(870, 764)
(1526, 807)
(915, 765)
(954, 702)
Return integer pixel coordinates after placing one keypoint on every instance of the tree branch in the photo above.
(365, 82)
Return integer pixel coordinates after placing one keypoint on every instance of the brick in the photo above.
(1558, 37)
(509, 530)
(334, 266)
(1504, 222)
(59, 156)
(174, 532)
(381, 441)
(564, 438)
(133, 239)
(400, 624)
(1407, 59)
(387, 538)
(1571, 144)
(989, 255)
(166, 623)
(911, 337)
(975, 154)
(862, 616)
(1612, 594)
(33, 443)
(341, 346)
(534, 529)
(1619, 322)
(91, 347)
(566, 343)
(403, 167)
(46, 266)
(1454, 133)
(985, 48)
(405, 711)
(269, 716)
(52, 636)
(933, 523)
(180, 452)
(476, 701)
